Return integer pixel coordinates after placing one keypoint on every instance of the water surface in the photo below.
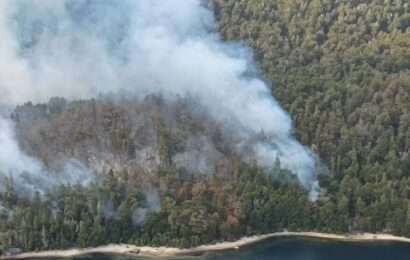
(295, 249)
(314, 249)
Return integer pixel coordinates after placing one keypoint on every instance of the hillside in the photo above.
(164, 173)
(161, 170)
(342, 70)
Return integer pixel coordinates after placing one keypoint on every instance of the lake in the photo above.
(300, 249)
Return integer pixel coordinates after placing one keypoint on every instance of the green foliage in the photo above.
(204, 210)
(342, 70)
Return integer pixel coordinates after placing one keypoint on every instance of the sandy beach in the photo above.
(170, 251)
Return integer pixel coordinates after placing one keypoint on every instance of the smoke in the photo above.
(153, 204)
(28, 174)
(199, 156)
(81, 48)
(4, 211)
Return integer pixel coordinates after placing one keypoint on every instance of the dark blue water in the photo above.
(310, 249)
(296, 249)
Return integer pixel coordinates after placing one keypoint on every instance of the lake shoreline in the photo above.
(125, 249)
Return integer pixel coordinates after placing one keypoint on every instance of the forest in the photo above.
(341, 69)
(150, 191)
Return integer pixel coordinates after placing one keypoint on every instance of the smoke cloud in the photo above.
(29, 174)
(79, 49)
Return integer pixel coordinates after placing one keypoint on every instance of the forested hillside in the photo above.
(341, 68)
(165, 172)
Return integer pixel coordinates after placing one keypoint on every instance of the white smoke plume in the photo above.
(153, 204)
(28, 174)
(79, 49)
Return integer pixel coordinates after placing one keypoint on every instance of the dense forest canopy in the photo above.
(342, 70)
(165, 174)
